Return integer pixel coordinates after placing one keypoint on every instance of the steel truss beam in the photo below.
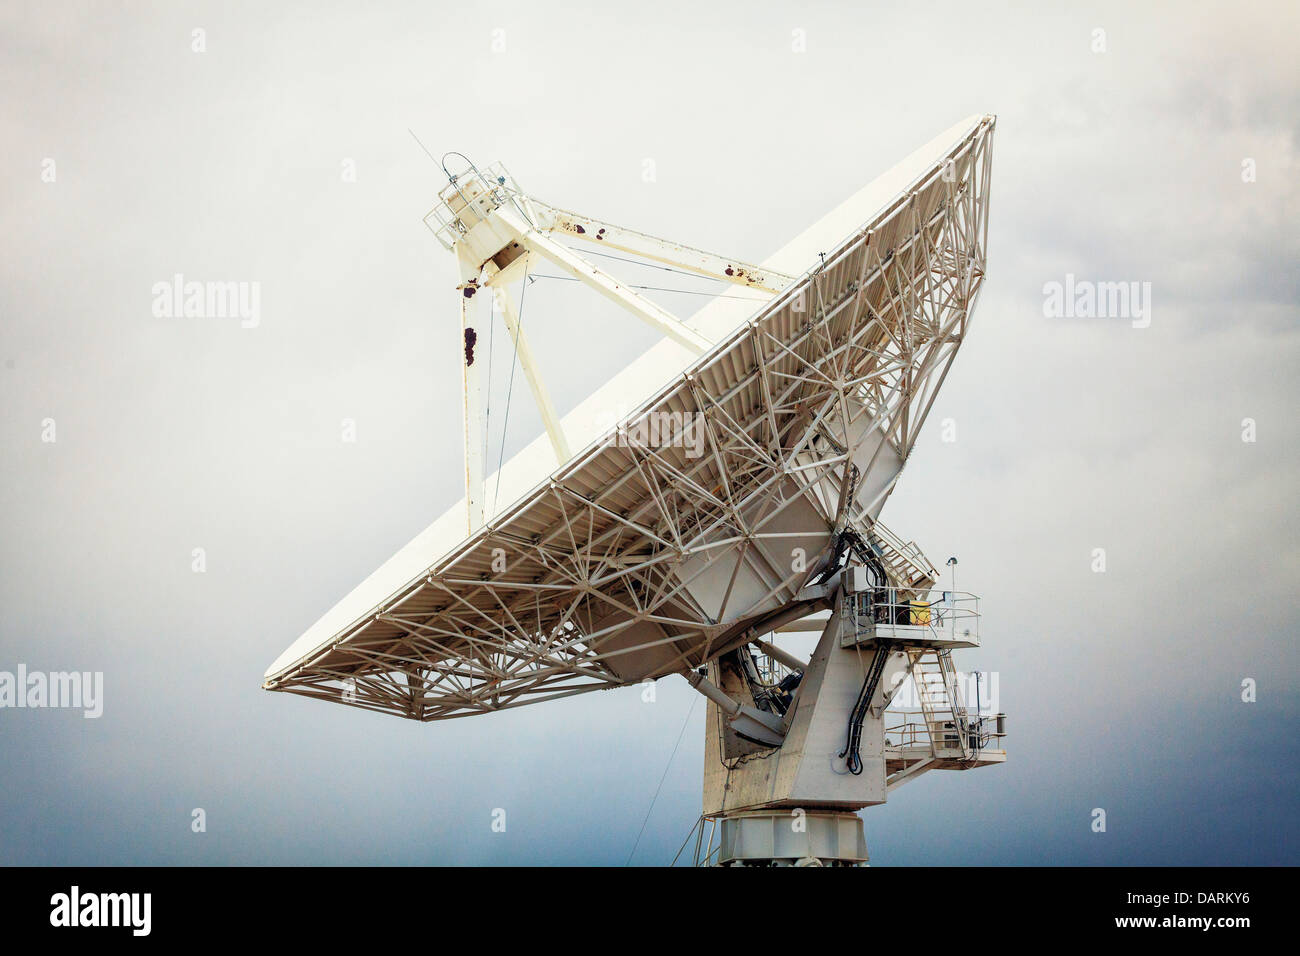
(866, 338)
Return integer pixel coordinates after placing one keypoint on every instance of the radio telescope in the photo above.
(739, 500)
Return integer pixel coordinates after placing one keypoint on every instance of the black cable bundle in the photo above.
(859, 713)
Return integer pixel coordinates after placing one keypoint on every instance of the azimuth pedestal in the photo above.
(792, 838)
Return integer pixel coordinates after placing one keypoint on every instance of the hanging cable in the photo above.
(686, 723)
(510, 388)
(487, 405)
(852, 745)
(658, 288)
(648, 265)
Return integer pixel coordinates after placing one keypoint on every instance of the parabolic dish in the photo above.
(640, 558)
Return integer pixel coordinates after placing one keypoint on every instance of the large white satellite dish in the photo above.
(741, 497)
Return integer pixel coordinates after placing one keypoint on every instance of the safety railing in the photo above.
(907, 552)
(467, 200)
(900, 614)
(982, 733)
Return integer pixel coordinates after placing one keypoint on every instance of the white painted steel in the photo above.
(633, 562)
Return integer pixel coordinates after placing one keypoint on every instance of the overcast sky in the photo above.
(1163, 151)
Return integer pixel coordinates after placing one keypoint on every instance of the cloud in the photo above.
(183, 434)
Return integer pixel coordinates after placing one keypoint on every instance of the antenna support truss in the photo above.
(496, 232)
